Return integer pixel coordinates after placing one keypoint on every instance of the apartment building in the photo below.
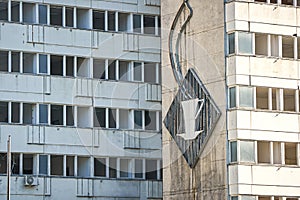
(246, 53)
(80, 95)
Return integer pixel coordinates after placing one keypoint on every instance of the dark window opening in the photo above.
(111, 21)
(112, 70)
(43, 14)
(56, 65)
(150, 120)
(56, 16)
(99, 117)
(99, 69)
(138, 169)
(137, 71)
(3, 163)
(70, 116)
(69, 66)
(57, 165)
(28, 63)
(43, 69)
(149, 24)
(28, 113)
(15, 11)
(112, 168)
(15, 112)
(112, 117)
(4, 112)
(56, 115)
(137, 23)
(151, 169)
(100, 167)
(29, 13)
(4, 61)
(69, 17)
(43, 113)
(27, 164)
(43, 165)
(4, 10)
(123, 22)
(15, 61)
(70, 166)
(138, 119)
(150, 72)
(98, 20)
(15, 163)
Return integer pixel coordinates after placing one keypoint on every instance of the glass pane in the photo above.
(137, 71)
(246, 97)
(232, 97)
(247, 151)
(245, 43)
(233, 151)
(42, 14)
(43, 64)
(43, 164)
(231, 44)
(138, 121)
(43, 111)
(248, 198)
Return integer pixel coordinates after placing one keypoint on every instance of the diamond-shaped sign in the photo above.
(192, 118)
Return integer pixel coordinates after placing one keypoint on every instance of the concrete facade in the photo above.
(247, 55)
(80, 95)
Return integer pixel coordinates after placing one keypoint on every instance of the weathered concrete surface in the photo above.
(203, 50)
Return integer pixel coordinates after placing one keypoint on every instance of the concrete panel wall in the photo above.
(203, 50)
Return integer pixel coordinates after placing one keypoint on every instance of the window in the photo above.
(29, 13)
(83, 18)
(287, 2)
(4, 61)
(246, 97)
(232, 97)
(57, 165)
(150, 120)
(124, 22)
(69, 17)
(151, 169)
(43, 14)
(4, 112)
(84, 117)
(29, 63)
(43, 64)
(98, 20)
(28, 164)
(262, 100)
(138, 168)
(137, 23)
(70, 166)
(43, 113)
(112, 70)
(149, 24)
(83, 169)
(15, 163)
(56, 15)
(289, 100)
(276, 152)
(99, 68)
(99, 117)
(15, 11)
(125, 168)
(69, 116)
(245, 43)
(111, 21)
(287, 47)
(100, 167)
(3, 163)
(231, 43)
(69, 66)
(112, 168)
(43, 165)
(150, 72)
(15, 61)
(82, 67)
(56, 65)
(124, 72)
(4, 10)
(137, 71)
(247, 151)
(138, 119)
(15, 112)
(233, 151)
(112, 117)
(261, 44)
(263, 152)
(56, 115)
(123, 119)
(28, 113)
(290, 150)
(274, 45)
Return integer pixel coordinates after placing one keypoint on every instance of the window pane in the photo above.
(3, 112)
(43, 111)
(245, 42)
(247, 151)
(42, 14)
(232, 97)
(233, 151)
(138, 121)
(137, 71)
(246, 97)
(3, 10)
(231, 44)
(15, 11)
(137, 23)
(100, 167)
(43, 164)
(138, 168)
(4, 61)
(43, 64)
